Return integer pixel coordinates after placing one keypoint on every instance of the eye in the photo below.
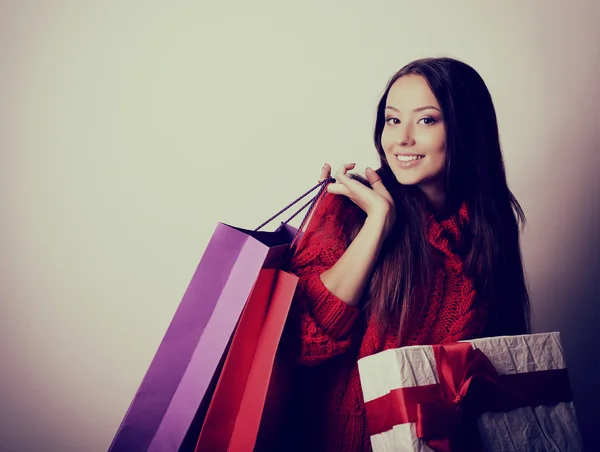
(387, 120)
(433, 121)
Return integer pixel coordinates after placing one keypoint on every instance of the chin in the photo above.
(408, 179)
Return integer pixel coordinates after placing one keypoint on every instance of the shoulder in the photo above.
(327, 234)
(332, 216)
(338, 210)
(333, 208)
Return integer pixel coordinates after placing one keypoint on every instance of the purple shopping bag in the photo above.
(175, 392)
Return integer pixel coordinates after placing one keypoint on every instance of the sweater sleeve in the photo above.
(319, 322)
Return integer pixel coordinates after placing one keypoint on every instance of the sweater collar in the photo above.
(448, 234)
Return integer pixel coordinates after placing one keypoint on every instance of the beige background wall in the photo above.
(129, 129)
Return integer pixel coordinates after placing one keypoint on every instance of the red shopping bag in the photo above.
(251, 390)
(234, 416)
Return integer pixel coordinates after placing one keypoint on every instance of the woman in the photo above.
(424, 251)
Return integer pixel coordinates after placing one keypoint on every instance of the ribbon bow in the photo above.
(445, 413)
(462, 371)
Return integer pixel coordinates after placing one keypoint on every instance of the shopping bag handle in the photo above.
(323, 184)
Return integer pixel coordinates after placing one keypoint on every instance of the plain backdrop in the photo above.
(129, 129)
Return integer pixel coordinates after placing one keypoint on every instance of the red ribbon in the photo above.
(469, 385)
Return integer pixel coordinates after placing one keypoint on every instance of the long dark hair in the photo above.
(475, 174)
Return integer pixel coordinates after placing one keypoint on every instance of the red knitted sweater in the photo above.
(326, 336)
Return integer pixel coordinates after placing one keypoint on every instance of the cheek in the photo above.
(442, 161)
(439, 157)
(438, 163)
(384, 141)
(437, 146)
(435, 141)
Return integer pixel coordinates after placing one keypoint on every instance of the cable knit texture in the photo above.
(326, 337)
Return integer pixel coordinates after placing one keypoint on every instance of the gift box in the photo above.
(508, 393)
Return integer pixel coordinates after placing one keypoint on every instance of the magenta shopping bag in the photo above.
(168, 408)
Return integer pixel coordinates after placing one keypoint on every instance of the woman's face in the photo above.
(414, 135)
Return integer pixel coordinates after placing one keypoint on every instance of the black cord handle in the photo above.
(322, 186)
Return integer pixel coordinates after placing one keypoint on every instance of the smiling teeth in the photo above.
(408, 158)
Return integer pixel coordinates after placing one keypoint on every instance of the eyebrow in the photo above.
(427, 107)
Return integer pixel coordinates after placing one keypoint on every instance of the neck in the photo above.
(436, 199)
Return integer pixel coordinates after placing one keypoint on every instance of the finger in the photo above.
(325, 172)
(338, 189)
(373, 178)
(376, 182)
(344, 169)
(348, 181)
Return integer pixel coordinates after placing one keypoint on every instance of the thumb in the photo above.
(376, 183)
(374, 179)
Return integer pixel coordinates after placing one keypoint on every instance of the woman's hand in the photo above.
(376, 201)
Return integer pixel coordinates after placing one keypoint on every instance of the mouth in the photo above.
(409, 158)
(408, 161)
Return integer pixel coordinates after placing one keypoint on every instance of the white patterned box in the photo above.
(532, 428)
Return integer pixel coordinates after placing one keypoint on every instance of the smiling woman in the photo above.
(425, 250)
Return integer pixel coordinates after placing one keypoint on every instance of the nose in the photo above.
(404, 136)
